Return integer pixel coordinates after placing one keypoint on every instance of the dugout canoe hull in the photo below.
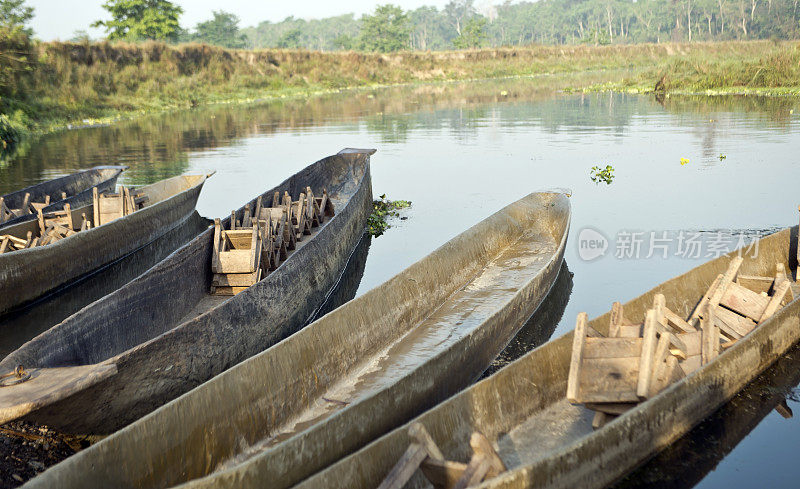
(28, 274)
(25, 323)
(78, 186)
(546, 442)
(216, 431)
(133, 350)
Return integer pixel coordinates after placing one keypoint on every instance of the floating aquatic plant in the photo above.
(605, 175)
(382, 210)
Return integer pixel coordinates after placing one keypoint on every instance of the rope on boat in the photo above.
(16, 376)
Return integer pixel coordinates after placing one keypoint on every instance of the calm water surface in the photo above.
(460, 152)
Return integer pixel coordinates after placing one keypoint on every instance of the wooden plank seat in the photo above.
(635, 361)
(257, 243)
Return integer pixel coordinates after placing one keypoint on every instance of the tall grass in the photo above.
(62, 82)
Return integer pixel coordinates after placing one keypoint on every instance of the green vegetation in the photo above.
(473, 35)
(604, 175)
(137, 20)
(222, 30)
(597, 22)
(385, 31)
(382, 210)
(49, 85)
(720, 69)
(14, 14)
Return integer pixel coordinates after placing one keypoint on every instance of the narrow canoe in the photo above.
(162, 334)
(352, 375)
(546, 442)
(25, 323)
(29, 273)
(78, 187)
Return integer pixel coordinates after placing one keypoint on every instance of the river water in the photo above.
(693, 177)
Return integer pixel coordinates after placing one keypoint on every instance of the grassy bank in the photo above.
(774, 69)
(66, 83)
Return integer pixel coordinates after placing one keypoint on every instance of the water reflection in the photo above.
(690, 459)
(160, 146)
(347, 285)
(22, 325)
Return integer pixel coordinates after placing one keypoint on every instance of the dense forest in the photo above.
(461, 25)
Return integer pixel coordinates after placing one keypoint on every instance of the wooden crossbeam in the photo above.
(710, 338)
(257, 210)
(423, 453)
(578, 339)
(646, 358)
(246, 219)
(26, 202)
(5, 212)
(776, 300)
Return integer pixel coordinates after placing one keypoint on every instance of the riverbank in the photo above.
(772, 71)
(67, 84)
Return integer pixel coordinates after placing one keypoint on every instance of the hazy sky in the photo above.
(59, 19)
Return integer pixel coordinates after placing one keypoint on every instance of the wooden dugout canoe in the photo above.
(546, 442)
(25, 323)
(78, 187)
(351, 375)
(30, 273)
(162, 334)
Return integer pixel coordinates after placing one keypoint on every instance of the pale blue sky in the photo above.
(58, 19)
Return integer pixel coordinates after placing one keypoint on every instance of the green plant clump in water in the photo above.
(606, 174)
(382, 210)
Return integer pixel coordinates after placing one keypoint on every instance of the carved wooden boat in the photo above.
(24, 323)
(162, 334)
(350, 376)
(77, 186)
(544, 441)
(27, 274)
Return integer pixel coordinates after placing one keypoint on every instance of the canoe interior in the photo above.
(77, 186)
(523, 411)
(429, 303)
(466, 302)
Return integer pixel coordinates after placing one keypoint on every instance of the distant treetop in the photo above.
(222, 30)
(135, 20)
(14, 14)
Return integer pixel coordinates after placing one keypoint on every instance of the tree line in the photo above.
(460, 24)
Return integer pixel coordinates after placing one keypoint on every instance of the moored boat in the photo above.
(164, 332)
(523, 415)
(31, 271)
(25, 323)
(74, 189)
(350, 376)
